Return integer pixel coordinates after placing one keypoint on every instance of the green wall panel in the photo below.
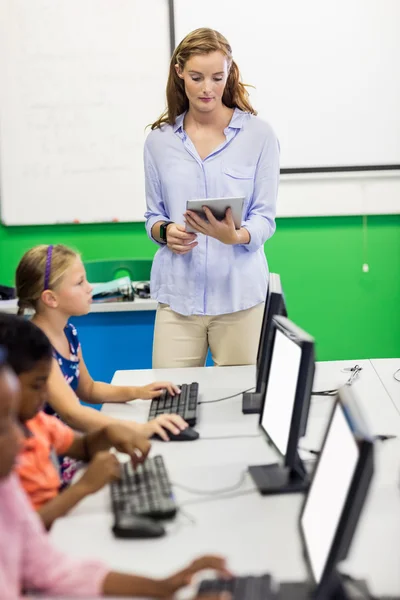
(352, 314)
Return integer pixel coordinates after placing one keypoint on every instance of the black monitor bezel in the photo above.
(354, 502)
(302, 401)
(274, 305)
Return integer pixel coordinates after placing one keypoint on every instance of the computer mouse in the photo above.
(130, 526)
(186, 435)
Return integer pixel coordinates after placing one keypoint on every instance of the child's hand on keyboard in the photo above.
(154, 390)
(162, 424)
(183, 578)
(221, 596)
(102, 469)
(122, 438)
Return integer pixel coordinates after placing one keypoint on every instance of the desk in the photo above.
(385, 369)
(255, 533)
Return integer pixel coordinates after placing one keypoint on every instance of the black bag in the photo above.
(7, 293)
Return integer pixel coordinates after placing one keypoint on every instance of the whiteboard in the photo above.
(326, 74)
(79, 82)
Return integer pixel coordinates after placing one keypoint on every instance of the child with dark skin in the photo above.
(30, 356)
(34, 563)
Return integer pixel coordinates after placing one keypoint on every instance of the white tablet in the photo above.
(218, 208)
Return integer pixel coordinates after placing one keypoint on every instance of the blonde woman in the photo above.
(210, 285)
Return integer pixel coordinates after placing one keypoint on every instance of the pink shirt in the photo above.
(28, 560)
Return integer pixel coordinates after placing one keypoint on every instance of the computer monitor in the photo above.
(331, 509)
(285, 406)
(335, 500)
(274, 305)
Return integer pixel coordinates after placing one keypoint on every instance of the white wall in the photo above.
(80, 80)
(355, 194)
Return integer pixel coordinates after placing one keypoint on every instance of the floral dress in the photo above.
(70, 369)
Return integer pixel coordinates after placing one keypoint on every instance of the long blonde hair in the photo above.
(202, 41)
(30, 275)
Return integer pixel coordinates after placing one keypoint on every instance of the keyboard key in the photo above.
(144, 492)
(183, 404)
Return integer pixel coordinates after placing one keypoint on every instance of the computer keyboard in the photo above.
(183, 404)
(240, 588)
(146, 492)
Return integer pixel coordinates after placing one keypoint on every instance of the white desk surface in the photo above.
(385, 369)
(10, 306)
(257, 534)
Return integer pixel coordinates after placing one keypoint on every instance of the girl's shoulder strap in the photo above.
(72, 336)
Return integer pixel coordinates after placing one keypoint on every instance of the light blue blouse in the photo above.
(214, 278)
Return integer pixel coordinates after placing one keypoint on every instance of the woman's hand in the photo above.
(180, 241)
(183, 578)
(154, 390)
(224, 230)
(162, 424)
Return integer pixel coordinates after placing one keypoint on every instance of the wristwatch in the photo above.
(163, 230)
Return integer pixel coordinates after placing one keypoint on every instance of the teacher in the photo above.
(210, 285)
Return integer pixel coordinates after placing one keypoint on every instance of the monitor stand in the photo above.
(251, 403)
(276, 479)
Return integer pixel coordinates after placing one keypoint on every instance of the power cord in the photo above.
(220, 497)
(232, 437)
(376, 438)
(226, 397)
(216, 492)
(358, 586)
(310, 451)
(325, 393)
(354, 372)
(394, 404)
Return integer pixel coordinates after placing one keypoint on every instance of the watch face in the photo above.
(163, 231)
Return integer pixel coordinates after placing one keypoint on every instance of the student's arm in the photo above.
(66, 404)
(83, 418)
(43, 567)
(97, 392)
(117, 435)
(119, 584)
(103, 469)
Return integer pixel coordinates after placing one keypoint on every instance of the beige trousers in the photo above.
(181, 341)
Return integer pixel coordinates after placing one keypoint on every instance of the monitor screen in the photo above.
(328, 491)
(280, 393)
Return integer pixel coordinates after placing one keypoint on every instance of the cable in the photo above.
(310, 451)
(220, 497)
(388, 393)
(187, 515)
(325, 393)
(216, 492)
(358, 586)
(394, 375)
(354, 372)
(232, 437)
(381, 437)
(226, 397)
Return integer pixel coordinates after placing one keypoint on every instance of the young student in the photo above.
(28, 560)
(51, 280)
(209, 143)
(29, 355)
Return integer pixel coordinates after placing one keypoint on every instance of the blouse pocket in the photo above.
(239, 181)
